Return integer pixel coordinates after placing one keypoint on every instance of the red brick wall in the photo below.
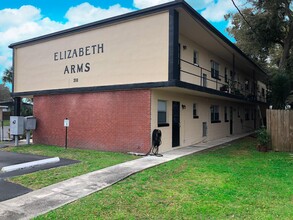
(110, 121)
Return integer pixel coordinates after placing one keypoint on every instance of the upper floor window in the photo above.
(215, 117)
(195, 57)
(226, 75)
(194, 111)
(162, 113)
(215, 67)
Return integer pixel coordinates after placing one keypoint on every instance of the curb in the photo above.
(29, 164)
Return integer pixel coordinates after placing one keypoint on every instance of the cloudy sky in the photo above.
(24, 19)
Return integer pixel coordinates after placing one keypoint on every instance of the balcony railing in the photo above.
(195, 74)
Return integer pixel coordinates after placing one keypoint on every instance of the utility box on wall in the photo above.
(16, 125)
(30, 123)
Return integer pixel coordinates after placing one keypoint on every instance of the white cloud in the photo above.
(85, 13)
(20, 24)
(15, 17)
(148, 3)
(200, 4)
(215, 11)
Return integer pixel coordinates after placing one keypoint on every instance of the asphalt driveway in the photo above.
(10, 190)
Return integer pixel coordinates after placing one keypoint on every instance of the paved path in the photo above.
(49, 198)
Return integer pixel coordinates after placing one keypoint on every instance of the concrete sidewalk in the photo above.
(49, 198)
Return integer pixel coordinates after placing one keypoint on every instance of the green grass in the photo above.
(90, 161)
(6, 123)
(235, 182)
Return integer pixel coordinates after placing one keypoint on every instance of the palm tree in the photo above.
(7, 75)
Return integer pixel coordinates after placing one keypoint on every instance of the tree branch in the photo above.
(242, 15)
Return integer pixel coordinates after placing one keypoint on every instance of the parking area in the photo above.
(10, 190)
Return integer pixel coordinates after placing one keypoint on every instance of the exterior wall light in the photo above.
(184, 47)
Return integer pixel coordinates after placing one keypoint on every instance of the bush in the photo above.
(263, 137)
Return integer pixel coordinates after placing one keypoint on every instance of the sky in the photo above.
(25, 19)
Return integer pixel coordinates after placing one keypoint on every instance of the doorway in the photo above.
(175, 124)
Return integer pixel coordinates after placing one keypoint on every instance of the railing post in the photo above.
(201, 79)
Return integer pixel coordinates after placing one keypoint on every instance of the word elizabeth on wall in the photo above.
(77, 53)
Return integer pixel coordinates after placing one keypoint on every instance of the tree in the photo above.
(7, 75)
(280, 85)
(264, 31)
(4, 93)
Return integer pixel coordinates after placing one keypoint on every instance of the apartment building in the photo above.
(118, 79)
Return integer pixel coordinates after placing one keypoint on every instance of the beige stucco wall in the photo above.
(135, 51)
(191, 129)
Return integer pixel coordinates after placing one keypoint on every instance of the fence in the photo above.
(280, 127)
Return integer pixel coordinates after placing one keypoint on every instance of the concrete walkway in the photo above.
(52, 197)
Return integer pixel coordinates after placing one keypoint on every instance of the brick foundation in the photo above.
(109, 121)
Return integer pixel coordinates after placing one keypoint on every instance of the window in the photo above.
(246, 110)
(204, 129)
(195, 57)
(215, 114)
(215, 69)
(194, 111)
(162, 113)
(226, 75)
(226, 114)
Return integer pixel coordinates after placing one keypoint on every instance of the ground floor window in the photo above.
(215, 114)
(162, 113)
(194, 111)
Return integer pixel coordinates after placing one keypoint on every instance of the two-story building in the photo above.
(118, 79)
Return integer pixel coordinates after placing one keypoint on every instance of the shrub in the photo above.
(263, 137)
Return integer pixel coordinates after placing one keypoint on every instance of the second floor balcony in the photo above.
(249, 89)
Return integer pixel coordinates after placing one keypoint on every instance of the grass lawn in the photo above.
(90, 161)
(6, 123)
(235, 182)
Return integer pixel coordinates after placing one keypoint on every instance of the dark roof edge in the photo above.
(220, 35)
(106, 21)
